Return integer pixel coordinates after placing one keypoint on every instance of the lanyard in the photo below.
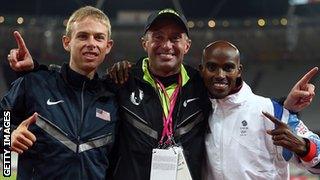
(167, 121)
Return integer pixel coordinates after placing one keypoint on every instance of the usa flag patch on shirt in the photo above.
(102, 114)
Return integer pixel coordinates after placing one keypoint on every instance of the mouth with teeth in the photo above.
(90, 55)
(220, 85)
(166, 56)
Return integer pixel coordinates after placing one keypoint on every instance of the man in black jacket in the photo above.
(73, 112)
(147, 99)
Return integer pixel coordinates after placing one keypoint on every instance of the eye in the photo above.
(211, 67)
(157, 37)
(229, 67)
(176, 38)
(82, 36)
(100, 37)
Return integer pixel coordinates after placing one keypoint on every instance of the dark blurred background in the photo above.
(278, 39)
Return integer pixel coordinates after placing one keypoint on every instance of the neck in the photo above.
(163, 73)
(167, 81)
(239, 84)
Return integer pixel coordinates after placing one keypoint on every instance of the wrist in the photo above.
(310, 152)
(305, 148)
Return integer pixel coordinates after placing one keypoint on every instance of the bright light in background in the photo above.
(211, 23)
(283, 21)
(190, 24)
(1, 19)
(20, 20)
(261, 22)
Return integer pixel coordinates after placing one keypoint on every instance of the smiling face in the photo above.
(88, 45)
(221, 68)
(166, 43)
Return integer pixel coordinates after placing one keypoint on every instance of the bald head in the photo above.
(221, 68)
(221, 49)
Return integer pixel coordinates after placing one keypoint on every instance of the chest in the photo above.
(78, 113)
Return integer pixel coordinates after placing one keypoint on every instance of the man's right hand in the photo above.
(22, 139)
(20, 59)
(302, 93)
(119, 72)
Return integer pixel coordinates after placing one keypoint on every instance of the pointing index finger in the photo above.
(21, 44)
(272, 118)
(307, 77)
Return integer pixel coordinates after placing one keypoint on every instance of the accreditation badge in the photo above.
(183, 172)
(164, 164)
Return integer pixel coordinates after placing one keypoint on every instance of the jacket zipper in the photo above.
(81, 117)
(81, 120)
(222, 148)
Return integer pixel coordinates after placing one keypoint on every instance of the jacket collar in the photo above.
(77, 80)
(138, 70)
(235, 99)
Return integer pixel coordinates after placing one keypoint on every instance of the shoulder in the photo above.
(191, 71)
(258, 102)
(43, 74)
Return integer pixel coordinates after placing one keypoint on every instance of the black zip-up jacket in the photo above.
(76, 132)
(141, 124)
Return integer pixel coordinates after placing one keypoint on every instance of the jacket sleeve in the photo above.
(312, 163)
(13, 101)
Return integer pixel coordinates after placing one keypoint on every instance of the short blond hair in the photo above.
(88, 11)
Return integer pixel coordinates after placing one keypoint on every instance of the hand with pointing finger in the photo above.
(283, 136)
(20, 58)
(302, 93)
(22, 139)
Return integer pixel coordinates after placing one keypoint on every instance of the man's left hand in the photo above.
(283, 136)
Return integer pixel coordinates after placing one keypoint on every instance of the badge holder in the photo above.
(169, 162)
(183, 172)
(164, 164)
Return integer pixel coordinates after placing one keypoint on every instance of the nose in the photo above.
(167, 44)
(91, 43)
(221, 73)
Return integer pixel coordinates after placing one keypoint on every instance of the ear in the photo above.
(188, 45)
(201, 69)
(240, 68)
(144, 42)
(109, 46)
(66, 43)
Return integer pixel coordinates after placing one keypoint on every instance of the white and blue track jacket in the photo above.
(238, 146)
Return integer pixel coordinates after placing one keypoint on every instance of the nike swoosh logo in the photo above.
(50, 103)
(188, 101)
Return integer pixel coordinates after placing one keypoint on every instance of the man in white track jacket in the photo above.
(241, 142)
